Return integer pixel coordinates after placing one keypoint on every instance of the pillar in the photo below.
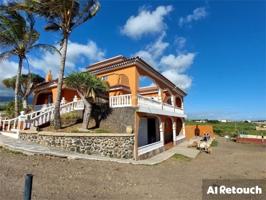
(183, 127)
(161, 127)
(134, 84)
(174, 131)
(173, 100)
(136, 133)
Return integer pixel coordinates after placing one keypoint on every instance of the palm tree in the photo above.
(86, 86)
(26, 86)
(62, 16)
(18, 37)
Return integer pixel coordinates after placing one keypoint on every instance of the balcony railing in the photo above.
(120, 101)
(144, 103)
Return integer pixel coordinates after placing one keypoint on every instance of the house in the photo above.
(155, 113)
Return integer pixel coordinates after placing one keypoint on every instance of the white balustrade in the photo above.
(40, 117)
(120, 101)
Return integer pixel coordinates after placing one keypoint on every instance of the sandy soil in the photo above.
(56, 178)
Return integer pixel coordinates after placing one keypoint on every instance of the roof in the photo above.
(122, 62)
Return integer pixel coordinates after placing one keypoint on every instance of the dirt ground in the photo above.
(57, 178)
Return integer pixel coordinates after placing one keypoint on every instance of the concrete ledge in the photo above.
(64, 134)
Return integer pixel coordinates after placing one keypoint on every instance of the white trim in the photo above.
(179, 137)
(251, 136)
(14, 134)
(150, 147)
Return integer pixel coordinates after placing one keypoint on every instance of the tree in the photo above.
(27, 84)
(88, 87)
(17, 38)
(62, 16)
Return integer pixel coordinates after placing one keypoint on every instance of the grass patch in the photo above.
(96, 130)
(181, 157)
(214, 143)
(4, 150)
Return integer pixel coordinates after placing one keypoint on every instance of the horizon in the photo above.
(213, 50)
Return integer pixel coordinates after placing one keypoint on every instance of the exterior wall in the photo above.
(110, 145)
(69, 94)
(118, 120)
(202, 129)
(127, 76)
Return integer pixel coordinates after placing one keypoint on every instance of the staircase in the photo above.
(40, 117)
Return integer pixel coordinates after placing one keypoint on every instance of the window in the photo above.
(104, 78)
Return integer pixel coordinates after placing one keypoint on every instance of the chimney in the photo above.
(49, 77)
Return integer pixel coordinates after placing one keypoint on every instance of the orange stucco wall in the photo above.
(69, 94)
(202, 129)
(127, 76)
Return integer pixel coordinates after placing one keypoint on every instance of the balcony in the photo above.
(146, 105)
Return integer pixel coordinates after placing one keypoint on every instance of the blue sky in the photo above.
(215, 50)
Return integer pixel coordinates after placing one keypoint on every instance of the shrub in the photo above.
(10, 108)
(214, 143)
(70, 116)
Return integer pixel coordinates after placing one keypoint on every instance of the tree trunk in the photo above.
(86, 116)
(25, 103)
(17, 86)
(57, 120)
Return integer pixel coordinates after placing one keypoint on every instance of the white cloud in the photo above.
(7, 70)
(153, 51)
(181, 80)
(146, 22)
(197, 14)
(78, 56)
(170, 65)
(173, 68)
(180, 62)
(180, 42)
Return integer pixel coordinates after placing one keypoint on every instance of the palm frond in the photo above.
(45, 47)
(6, 55)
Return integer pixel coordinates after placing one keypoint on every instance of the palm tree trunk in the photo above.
(25, 103)
(57, 120)
(17, 86)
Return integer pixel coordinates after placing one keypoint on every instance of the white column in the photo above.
(162, 131)
(21, 120)
(63, 101)
(173, 100)
(174, 132)
(75, 99)
(159, 94)
(183, 127)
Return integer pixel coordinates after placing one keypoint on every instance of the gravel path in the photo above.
(58, 178)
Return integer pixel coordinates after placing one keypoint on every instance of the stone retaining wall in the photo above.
(109, 144)
(118, 120)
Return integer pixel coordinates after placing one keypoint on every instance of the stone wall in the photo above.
(109, 144)
(118, 120)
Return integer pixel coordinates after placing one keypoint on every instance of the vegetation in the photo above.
(231, 128)
(70, 116)
(62, 16)
(88, 87)
(27, 83)
(10, 109)
(214, 143)
(181, 157)
(17, 38)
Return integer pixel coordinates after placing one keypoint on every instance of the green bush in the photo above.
(214, 143)
(70, 116)
(10, 109)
